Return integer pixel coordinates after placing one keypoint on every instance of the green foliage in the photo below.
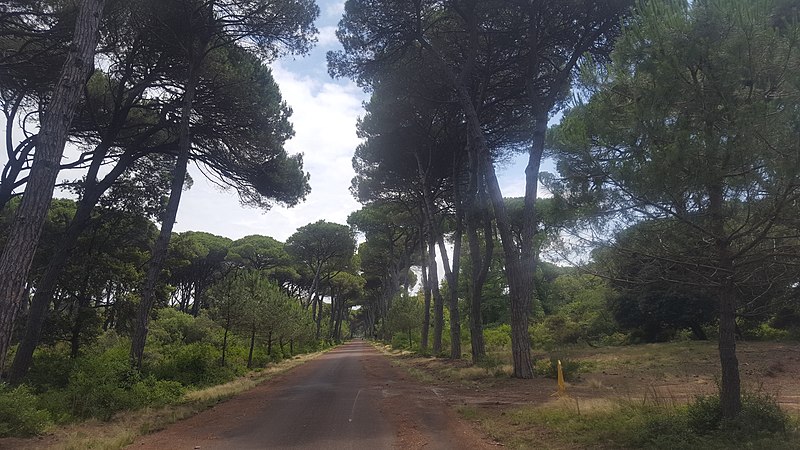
(20, 414)
(760, 414)
(405, 317)
(704, 414)
(577, 311)
(765, 332)
(195, 364)
(175, 327)
(549, 368)
(103, 383)
(497, 338)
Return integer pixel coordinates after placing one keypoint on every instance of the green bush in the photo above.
(195, 364)
(400, 340)
(759, 414)
(173, 327)
(100, 384)
(152, 392)
(541, 336)
(549, 368)
(19, 412)
(764, 332)
(50, 368)
(704, 414)
(497, 338)
(104, 383)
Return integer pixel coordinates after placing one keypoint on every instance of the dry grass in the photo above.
(123, 429)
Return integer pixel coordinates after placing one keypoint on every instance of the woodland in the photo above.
(672, 213)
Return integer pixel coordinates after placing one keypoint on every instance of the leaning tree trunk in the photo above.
(46, 286)
(159, 255)
(23, 237)
(519, 291)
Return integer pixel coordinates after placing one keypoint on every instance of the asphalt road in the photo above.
(348, 398)
(328, 409)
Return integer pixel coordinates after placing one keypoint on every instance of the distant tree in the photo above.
(198, 262)
(405, 316)
(392, 239)
(259, 252)
(325, 249)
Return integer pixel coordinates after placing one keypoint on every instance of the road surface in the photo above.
(349, 398)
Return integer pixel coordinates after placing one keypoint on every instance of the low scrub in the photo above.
(20, 414)
(643, 425)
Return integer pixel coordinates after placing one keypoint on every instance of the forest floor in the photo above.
(666, 374)
(671, 372)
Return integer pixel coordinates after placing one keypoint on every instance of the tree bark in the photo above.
(438, 301)
(159, 255)
(730, 389)
(252, 346)
(481, 260)
(225, 341)
(426, 313)
(23, 239)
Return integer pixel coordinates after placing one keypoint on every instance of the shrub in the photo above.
(50, 368)
(759, 414)
(549, 368)
(19, 413)
(100, 384)
(195, 364)
(765, 332)
(400, 340)
(498, 338)
(704, 414)
(152, 392)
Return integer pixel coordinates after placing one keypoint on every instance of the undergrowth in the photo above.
(643, 425)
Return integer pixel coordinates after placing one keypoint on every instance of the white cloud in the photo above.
(327, 36)
(333, 10)
(324, 118)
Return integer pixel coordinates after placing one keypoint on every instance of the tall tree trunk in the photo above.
(438, 301)
(159, 255)
(319, 317)
(23, 237)
(454, 273)
(225, 341)
(426, 312)
(252, 346)
(730, 389)
(481, 261)
(269, 343)
(520, 292)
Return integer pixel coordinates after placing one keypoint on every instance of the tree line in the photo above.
(139, 89)
(677, 160)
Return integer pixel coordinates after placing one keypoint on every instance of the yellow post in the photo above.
(562, 389)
